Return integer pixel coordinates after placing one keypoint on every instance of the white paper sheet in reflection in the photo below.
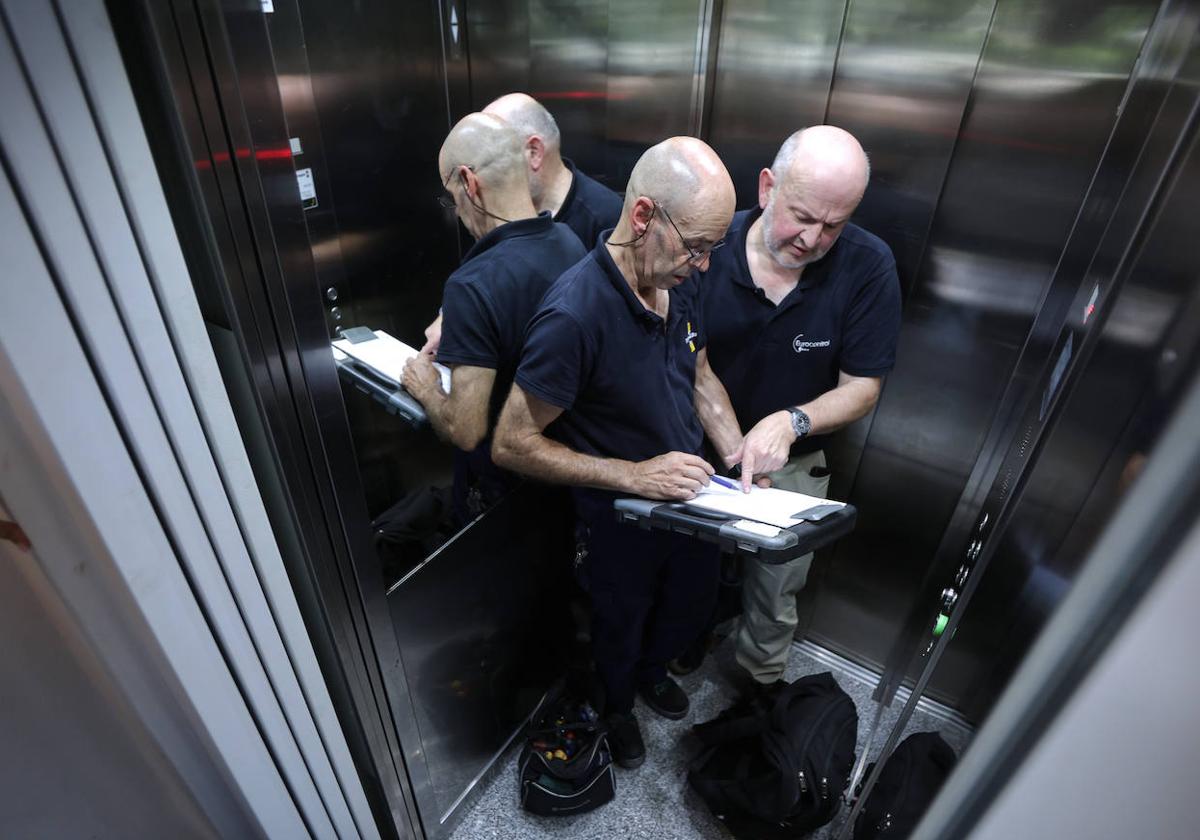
(385, 356)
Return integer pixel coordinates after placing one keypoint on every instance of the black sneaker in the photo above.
(625, 740)
(692, 658)
(666, 698)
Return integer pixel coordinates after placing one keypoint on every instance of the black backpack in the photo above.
(566, 765)
(774, 766)
(909, 781)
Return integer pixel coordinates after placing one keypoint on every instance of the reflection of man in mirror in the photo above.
(614, 396)
(803, 311)
(557, 187)
(490, 298)
(581, 203)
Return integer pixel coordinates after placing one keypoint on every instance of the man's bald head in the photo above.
(824, 156)
(678, 205)
(684, 175)
(528, 117)
(809, 194)
(490, 147)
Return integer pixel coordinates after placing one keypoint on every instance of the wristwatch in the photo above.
(801, 425)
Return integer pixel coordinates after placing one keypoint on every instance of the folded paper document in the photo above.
(781, 508)
(382, 354)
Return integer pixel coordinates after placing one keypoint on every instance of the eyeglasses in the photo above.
(446, 202)
(695, 255)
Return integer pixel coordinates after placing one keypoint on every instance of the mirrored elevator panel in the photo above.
(1009, 199)
(1124, 354)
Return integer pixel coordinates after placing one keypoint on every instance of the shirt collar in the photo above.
(570, 196)
(813, 273)
(541, 223)
(613, 273)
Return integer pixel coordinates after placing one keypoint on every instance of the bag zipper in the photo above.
(802, 781)
(829, 760)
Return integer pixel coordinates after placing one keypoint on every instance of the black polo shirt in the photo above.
(844, 314)
(489, 300)
(589, 207)
(624, 379)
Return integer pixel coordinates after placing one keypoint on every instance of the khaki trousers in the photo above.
(769, 591)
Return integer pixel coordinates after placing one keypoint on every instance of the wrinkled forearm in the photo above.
(535, 455)
(463, 426)
(716, 413)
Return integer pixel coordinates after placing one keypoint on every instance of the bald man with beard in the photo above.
(613, 396)
(489, 299)
(803, 313)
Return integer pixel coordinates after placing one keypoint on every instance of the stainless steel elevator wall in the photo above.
(618, 75)
(984, 120)
(1142, 281)
(1017, 174)
(370, 85)
(774, 66)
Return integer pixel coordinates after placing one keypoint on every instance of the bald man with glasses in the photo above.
(614, 397)
(489, 299)
(556, 185)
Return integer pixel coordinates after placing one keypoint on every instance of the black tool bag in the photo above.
(566, 766)
(774, 767)
(909, 781)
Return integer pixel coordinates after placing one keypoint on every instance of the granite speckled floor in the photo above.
(654, 801)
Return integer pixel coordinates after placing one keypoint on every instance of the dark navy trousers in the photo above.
(652, 593)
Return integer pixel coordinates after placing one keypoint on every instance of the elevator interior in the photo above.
(1034, 173)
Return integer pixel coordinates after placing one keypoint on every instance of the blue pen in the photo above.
(725, 482)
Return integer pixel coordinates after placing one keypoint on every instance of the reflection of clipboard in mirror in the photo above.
(382, 355)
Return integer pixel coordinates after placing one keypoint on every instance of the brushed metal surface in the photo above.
(557, 51)
(475, 624)
(375, 119)
(652, 54)
(1140, 290)
(1017, 176)
(774, 66)
(568, 73)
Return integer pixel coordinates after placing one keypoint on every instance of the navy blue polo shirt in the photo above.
(489, 300)
(844, 314)
(589, 207)
(624, 378)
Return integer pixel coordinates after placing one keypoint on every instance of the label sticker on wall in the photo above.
(308, 191)
(297, 149)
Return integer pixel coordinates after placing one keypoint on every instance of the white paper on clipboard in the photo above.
(762, 504)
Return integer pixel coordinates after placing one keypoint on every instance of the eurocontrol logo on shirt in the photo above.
(692, 335)
(802, 346)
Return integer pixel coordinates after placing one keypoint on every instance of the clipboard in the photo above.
(391, 396)
(815, 528)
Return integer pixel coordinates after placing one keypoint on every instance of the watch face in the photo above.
(800, 422)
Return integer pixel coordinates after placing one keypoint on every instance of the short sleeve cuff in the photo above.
(546, 395)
